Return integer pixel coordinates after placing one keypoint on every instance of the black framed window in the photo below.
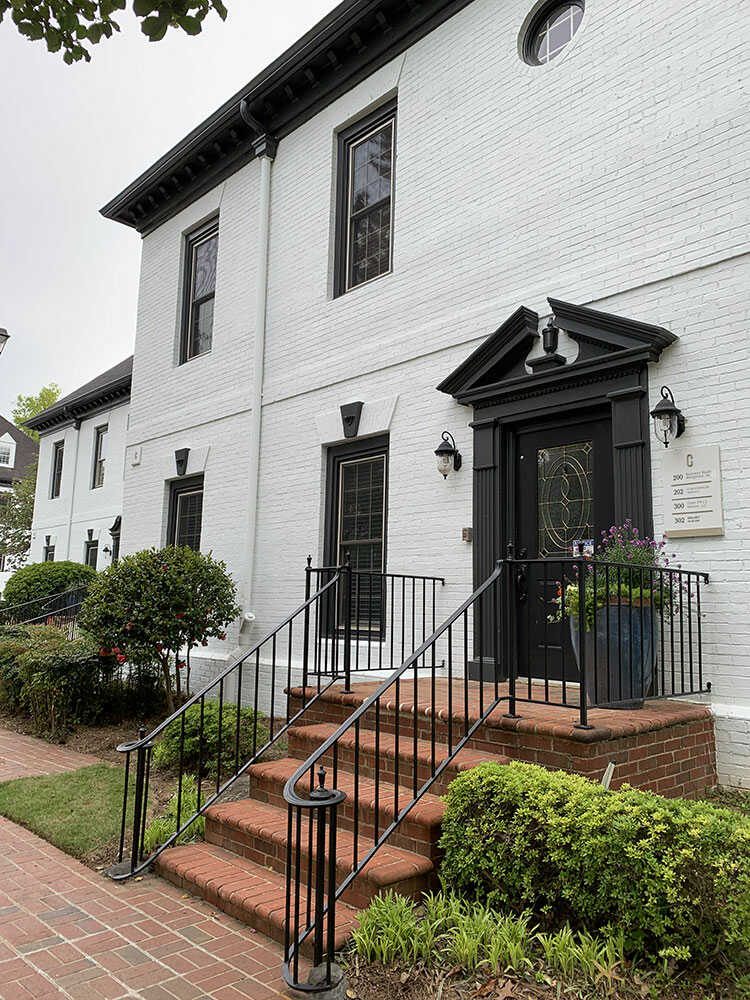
(200, 288)
(364, 224)
(356, 514)
(186, 512)
(100, 455)
(92, 553)
(58, 451)
(48, 553)
(115, 532)
(551, 30)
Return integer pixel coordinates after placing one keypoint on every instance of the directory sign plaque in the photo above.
(692, 492)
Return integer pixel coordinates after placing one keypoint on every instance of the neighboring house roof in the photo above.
(354, 40)
(26, 453)
(112, 386)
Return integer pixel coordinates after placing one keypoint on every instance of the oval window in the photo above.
(551, 30)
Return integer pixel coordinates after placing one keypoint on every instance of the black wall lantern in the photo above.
(669, 422)
(448, 455)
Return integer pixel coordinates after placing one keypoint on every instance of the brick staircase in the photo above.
(241, 866)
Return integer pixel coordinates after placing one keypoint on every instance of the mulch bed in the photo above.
(374, 982)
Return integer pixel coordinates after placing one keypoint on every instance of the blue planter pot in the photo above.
(620, 654)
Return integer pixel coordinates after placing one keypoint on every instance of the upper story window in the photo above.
(100, 456)
(200, 289)
(5, 454)
(364, 230)
(58, 451)
(186, 512)
(550, 30)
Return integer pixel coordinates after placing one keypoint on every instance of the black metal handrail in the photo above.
(268, 660)
(60, 610)
(383, 616)
(636, 634)
(321, 804)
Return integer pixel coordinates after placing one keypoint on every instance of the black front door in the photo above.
(564, 496)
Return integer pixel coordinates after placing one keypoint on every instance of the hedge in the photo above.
(253, 736)
(45, 579)
(673, 874)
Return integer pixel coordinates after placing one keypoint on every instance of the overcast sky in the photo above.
(72, 138)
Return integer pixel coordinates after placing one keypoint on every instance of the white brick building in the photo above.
(78, 504)
(613, 176)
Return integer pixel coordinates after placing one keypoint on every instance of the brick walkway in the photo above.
(66, 931)
(23, 756)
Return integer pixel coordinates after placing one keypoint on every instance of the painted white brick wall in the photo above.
(617, 176)
(92, 509)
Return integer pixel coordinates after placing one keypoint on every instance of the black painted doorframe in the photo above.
(496, 427)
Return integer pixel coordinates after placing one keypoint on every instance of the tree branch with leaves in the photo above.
(72, 26)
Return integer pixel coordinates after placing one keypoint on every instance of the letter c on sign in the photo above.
(690, 461)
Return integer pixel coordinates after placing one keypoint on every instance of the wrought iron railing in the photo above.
(316, 644)
(60, 610)
(619, 632)
(380, 618)
(636, 633)
(313, 812)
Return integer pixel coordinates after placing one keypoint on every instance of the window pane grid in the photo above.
(188, 519)
(369, 201)
(4, 454)
(556, 31)
(202, 259)
(361, 530)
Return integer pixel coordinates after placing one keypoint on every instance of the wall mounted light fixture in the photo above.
(669, 423)
(448, 455)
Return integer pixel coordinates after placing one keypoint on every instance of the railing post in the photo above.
(140, 778)
(306, 627)
(323, 795)
(511, 620)
(581, 564)
(346, 578)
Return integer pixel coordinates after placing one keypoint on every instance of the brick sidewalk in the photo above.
(66, 931)
(23, 756)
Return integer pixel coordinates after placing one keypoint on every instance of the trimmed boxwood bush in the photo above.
(44, 580)
(673, 874)
(252, 736)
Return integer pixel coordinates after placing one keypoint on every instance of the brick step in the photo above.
(419, 831)
(242, 889)
(303, 740)
(257, 831)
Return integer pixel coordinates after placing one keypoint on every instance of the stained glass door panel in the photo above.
(564, 497)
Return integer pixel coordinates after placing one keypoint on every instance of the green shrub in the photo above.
(45, 579)
(161, 828)
(62, 681)
(253, 735)
(671, 874)
(157, 605)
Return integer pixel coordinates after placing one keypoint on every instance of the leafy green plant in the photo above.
(155, 606)
(67, 26)
(621, 548)
(45, 579)
(62, 681)
(253, 735)
(161, 828)
(669, 873)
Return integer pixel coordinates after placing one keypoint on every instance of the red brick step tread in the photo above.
(304, 739)
(258, 832)
(244, 890)
(419, 831)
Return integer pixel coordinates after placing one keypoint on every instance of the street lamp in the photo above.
(4, 337)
